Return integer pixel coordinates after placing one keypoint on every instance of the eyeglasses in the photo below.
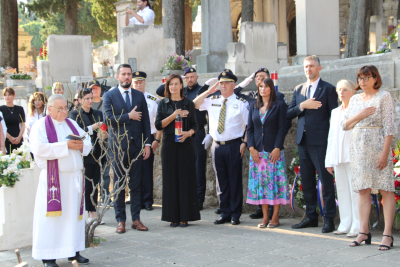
(365, 79)
(61, 109)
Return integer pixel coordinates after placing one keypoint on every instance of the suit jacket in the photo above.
(84, 120)
(272, 132)
(314, 121)
(116, 114)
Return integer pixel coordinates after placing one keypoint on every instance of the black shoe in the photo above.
(200, 205)
(329, 226)
(49, 263)
(218, 211)
(306, 223)
(149, 207)
(222, 220)
(143, 207)
(174, 225)
(184, 224)
(257, 215)
(235, 221)
(79, 259)
(367, 241)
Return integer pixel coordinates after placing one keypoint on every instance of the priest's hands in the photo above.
(146, 152)
(135, 115)
(75, 145)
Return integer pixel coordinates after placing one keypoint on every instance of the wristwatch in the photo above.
(158, 140)
(244, 143)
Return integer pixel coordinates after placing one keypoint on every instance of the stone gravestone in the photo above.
(132, 62)
(215, 36)
(68, 56)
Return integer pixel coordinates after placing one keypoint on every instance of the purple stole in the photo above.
(53, 176)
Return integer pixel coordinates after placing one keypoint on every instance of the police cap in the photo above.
(139, 76)
(227, 76)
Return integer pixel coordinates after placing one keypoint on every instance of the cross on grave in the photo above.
(34, 55)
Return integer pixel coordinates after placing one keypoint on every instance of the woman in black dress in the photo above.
(90, 120)
(180, 203)
(14, 116)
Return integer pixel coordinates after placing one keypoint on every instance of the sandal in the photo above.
(384, 246)
(367, 241)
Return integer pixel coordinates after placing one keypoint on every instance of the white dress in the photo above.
(63, 236)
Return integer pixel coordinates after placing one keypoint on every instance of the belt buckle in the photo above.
(222, 143)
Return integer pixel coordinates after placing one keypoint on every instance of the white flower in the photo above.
(396, 170)
(397, 164)
(4, 158)
(13, 156)
(5, 172)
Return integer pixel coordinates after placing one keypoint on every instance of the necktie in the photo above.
(309, 92)
(127, 101)
(221, 120)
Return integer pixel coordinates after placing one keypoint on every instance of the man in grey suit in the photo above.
(312, 103)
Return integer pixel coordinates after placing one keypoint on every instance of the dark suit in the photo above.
(273, 134)
(312, 139)
(116, 113)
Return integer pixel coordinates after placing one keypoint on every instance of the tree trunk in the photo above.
(173, 23)
(188, 27)
(9, 33)
(247, 10)
(358, 35)
(71, 18)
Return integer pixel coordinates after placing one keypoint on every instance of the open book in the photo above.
(76, 137)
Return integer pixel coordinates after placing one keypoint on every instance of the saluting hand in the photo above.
(213, 89)
(135, 115)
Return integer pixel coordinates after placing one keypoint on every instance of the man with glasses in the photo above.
(59, 219)
(127, 115)
(312, 104)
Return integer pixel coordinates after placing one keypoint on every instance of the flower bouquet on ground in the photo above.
(176, 62)
(396, 172)
(10, 165)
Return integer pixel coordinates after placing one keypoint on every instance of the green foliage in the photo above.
(103, 11)
(21, 77)
(157, 12)
(33, 28)
(392, 38)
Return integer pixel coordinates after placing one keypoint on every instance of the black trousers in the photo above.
(179, 182)
(228, 169)
(135, 183)
(147, 178)
(92, 171)
(312, 158)
(201, 159)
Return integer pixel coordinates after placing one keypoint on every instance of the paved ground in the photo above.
(206, 244)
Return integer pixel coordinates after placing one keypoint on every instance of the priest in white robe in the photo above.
(59, 221)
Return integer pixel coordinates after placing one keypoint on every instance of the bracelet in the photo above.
(158, 140)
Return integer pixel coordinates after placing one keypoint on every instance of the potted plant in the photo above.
(176, 64)
(102, 70)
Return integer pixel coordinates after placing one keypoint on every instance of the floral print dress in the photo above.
(267, 181)
(366, 143)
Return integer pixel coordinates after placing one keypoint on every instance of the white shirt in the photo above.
(122, 90)
(30, 120)
(338, 150)
(237, 114)
(152, 105)
(148, 17)
(313, 87)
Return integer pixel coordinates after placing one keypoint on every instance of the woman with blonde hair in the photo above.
(338, 160)
(36, 109)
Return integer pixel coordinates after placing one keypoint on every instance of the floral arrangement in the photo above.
(105, 62)
(21, 76)
(396, 172)
(383, 48)
(10, 165)
(292, 171)
(30, 68)
(43, 52)
(176, 62)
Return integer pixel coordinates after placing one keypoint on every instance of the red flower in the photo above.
(297, 169)
(301, 187)
(393, 154)
(396, 197)
(396, 183)
(395, 160)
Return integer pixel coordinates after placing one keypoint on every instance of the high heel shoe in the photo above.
(384, 246)
(367, 241)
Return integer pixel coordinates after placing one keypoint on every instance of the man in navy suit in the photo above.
(126, 110)
(312, 103)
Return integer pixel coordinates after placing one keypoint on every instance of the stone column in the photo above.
(317, 28)
(173, 22)
(215, 36)
(375, 33)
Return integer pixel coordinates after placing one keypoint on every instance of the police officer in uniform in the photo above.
(228, 116)
(139, 83)
(191, 92)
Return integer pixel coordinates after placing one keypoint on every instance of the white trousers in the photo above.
(348, 200)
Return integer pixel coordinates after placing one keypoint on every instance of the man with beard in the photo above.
(126, 109)
(145, 15)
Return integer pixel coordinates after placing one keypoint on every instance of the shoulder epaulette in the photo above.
(216, 96)
(241, 99)
(152, 97)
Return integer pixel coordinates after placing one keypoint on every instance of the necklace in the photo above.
(12, 111)
(176, 102)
